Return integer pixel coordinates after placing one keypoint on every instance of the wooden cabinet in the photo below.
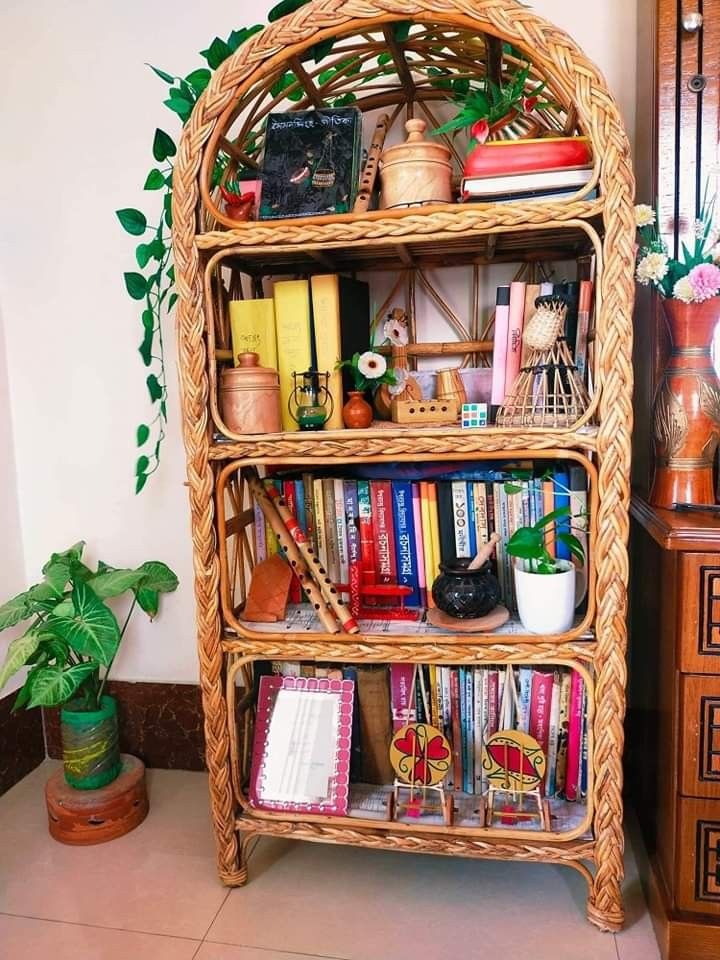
(673, 756)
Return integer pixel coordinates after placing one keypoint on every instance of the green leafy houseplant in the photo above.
(74, 637)
(529, 543)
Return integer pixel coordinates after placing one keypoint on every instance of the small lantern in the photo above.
(311, 403)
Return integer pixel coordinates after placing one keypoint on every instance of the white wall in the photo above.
(78, 117)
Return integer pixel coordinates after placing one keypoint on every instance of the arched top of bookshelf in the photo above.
(380, 54)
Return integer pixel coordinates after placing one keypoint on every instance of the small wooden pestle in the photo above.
(483, 554)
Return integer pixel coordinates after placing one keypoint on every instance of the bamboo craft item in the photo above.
(370, 170)
(234, 104)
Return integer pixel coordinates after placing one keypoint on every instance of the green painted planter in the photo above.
(91, 748)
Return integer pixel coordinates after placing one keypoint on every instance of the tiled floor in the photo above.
(153, 895)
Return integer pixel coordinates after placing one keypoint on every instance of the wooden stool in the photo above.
(94, 816)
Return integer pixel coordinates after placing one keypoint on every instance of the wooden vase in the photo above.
(686, 412)
(357, 413)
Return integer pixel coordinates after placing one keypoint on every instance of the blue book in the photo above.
(472, 530)
(405, 548)
(469, 764)
(300, 506)
(561, 477)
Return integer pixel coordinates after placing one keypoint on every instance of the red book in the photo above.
(540, 704)
(383, 531)
(456, 732)
(367, 549)
(288, 492)
(575, 737)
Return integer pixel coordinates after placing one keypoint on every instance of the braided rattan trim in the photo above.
(421, 653)
(386, 840)
(410, 446)
(453, 222)
(553, 51)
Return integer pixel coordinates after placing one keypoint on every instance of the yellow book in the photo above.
(326, 319)
(292, 325)
(434, 531)
(428, 555)
(319, 510)
(252, 325)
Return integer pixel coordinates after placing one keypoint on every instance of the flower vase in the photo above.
(357, 413)
(686, 412)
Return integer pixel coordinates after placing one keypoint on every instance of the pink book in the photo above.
(575, 736)
(502, 324)
(419, 544)
(540, 704)
(402, 692)
(515, 330)
(492, 708)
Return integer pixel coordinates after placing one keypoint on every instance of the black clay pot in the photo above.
(465, 594)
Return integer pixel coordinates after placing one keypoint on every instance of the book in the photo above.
(456, 739)
(469, 771)
(471, 526)
(260, 547)
(562, 499)
(310, 163)
(446, 521)
(550, 787)
(383, 531)
(252, 330)
(460, 519)
(479, 704)
(301, 513)
(356, 745)
(342, 537)
(500, 345)
(406, 552)
(307, 482)
(402, 694)
(585, 303)
(540, 706)
(564, 179)
(341, 327)
(570, 292)
(331, 541)
(584, 748)
(419, 544)
(493, 702)
(367, 548)
(292, 323)
(514, 335)
(434, 532)
(575, 736)
(376, 727)
(352, 523)
(548, 505)
(580, 526)
(525, 686)
(562, 734)
(319, 514)
(482, 530)
(427, 542)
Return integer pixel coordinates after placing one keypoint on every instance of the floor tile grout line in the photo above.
(617, 946)
(212, 921)
(290, 953)
(99, 926)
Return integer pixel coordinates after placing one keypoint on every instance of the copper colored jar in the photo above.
(415, 172)
(250, 397)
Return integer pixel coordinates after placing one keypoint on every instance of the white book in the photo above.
(525, 690)
(342, 538)
(460, 519)
(481, 514)
(526, 182)
(478, 727)
(553, 737)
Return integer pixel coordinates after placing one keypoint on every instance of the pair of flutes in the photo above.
(324, 596)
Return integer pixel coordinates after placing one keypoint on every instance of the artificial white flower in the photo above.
(652, 268)
(395, 332)
(644, 215)
(683, 291)
(401, 379)
(371, 365)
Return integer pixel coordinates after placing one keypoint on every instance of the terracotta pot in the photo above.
(357, 413)
(686, 412)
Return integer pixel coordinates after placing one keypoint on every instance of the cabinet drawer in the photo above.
(698, 856)
(699, 738)
(699, 613)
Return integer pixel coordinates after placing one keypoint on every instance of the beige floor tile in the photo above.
(372, 905)
(161, 878)
(223, 951)
(25, 939)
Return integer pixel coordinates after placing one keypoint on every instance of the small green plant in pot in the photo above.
(70, 647)
(544, 585)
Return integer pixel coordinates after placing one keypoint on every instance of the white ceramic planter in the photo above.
(546, 602)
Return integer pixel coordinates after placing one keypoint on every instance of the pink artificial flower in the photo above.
(529, 104)
(480, 131)
(705, 281)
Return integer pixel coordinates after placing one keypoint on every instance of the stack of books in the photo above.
(398, 531)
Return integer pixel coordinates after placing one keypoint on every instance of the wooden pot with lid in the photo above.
(415, 172)
(250, 397)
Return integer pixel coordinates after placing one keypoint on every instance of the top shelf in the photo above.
(446, 235)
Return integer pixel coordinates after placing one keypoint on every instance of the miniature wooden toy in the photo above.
(419, 412)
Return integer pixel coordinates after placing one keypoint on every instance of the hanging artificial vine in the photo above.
(152, 284)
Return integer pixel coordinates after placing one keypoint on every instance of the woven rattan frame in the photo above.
(555, 54)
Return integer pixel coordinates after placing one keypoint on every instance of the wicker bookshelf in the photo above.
(466, 37)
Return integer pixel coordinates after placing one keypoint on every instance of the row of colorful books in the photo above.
(515, 305)
(468, 704)
(306, 324)
(397, 532)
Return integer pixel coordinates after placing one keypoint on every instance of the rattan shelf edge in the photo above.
(417, 226)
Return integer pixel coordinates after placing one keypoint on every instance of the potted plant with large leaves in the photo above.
(70, 647)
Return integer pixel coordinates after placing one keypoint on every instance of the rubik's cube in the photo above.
(474, 415)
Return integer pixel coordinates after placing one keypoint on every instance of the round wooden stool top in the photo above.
(94, 816)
